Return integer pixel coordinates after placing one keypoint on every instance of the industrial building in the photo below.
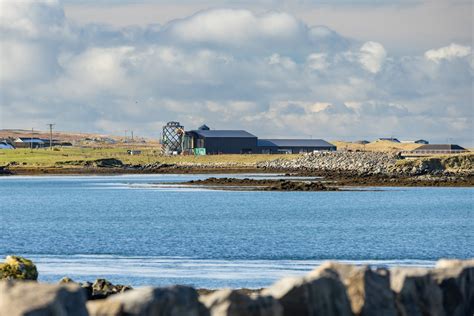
(439, 149)
(293, 146)
(204, 141)
(221, 141)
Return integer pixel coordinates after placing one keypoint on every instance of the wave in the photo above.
(198, 272)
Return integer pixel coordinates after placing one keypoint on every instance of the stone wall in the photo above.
(331, 289)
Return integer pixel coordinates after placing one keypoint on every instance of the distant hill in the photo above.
(383, 146)
(90, 139)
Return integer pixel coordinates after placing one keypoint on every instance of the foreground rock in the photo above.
(331, 289)
(320, 293)
(417, 293)
(368, 290)
(235, 303)
(18, 298)
(171, 301)
(16, 267)
(456, 280)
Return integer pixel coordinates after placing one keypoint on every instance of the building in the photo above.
(207, 141)
(293, 146)
(362, 142)
(418, 141)
(389, 139)
(439, 149)
(26, 142)
(5, 145)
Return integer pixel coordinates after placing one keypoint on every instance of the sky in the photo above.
(338, 70)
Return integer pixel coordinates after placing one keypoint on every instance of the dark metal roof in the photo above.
(440, 147)
(203, 127)
(224, 133)
(293, 143)
(30, 140)
(390, 139)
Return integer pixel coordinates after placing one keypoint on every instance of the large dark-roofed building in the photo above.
(222, 141)
(293, 146)
(206, 141)
(439, 149)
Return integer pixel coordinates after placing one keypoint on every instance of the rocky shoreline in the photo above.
(331, 289)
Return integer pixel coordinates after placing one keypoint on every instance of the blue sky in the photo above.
(336, 70)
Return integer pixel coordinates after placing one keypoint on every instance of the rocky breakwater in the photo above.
(376, 164)
(331, 289)
(356, 162)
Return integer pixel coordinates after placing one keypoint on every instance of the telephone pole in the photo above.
(51, 135)
(132, 136)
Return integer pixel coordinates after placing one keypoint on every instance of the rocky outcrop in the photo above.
(16, 267)
(4, 171)
(171, 301)
(229, 302)
(21, 298)
(101, 288)
(262, 184)
(105, 163)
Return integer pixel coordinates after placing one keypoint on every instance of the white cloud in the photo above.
(235, 27)
(450, 52)
(267, 73)
(372, 56)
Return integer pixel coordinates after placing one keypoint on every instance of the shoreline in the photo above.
(333, 178)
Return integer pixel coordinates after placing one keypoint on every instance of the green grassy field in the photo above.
(73, 157)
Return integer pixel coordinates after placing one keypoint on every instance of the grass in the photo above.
(385, 146)
(53, 158)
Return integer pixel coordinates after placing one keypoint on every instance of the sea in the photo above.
(152, 230)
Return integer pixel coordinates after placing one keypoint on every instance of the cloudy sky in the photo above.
(305, 68)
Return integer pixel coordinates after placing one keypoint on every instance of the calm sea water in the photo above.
(130, 230)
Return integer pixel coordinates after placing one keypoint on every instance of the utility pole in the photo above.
(132, 136)
(31, 140)
(125, 137)
(51, 135)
